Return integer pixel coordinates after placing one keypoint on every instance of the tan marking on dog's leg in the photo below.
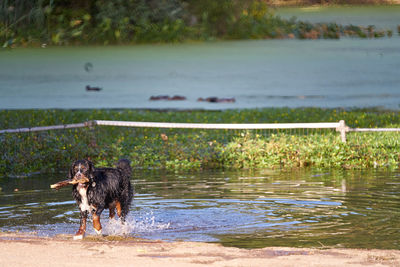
(82, 229)
(96, 223)
(118, 206)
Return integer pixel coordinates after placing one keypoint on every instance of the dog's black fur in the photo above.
(99, 189)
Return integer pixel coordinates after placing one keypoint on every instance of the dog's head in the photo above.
(81, 171)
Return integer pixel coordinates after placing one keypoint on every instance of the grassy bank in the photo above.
(198, 149)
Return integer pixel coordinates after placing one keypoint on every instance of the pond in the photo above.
(381, 16)
(250, 209)
(264, 73)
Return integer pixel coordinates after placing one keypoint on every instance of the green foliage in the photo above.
(177, 149)
(320, 150)
(59, 22)
(139, 21)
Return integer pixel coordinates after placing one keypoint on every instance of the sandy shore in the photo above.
(25, 250)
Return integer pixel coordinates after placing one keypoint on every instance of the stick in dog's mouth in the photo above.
(58, 185)
(82, 180)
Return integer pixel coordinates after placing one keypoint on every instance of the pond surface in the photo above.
(268, 73)
(307, 208)
(264, 73)
(382, 17)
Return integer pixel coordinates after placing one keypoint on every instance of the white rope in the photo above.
(229, 126)
(233, 126)
(374, 130)
(46, 128)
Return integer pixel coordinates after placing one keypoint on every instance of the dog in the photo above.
(96, 189)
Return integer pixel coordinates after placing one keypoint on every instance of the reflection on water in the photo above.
(307, 208)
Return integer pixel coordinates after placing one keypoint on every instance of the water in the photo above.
(265, 73)
(382, 17)
(303, 208)
(276, 73)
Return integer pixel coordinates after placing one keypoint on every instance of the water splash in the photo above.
(145, 223)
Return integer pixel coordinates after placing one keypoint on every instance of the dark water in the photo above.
(308, 208)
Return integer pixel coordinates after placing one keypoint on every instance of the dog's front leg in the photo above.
(96, 220)
(82, 228)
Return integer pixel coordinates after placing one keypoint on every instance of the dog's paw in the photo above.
(78, 237)
(99, 232)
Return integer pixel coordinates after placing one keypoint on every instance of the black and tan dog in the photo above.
(96, 189)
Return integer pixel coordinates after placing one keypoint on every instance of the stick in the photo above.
(61, 184)
(68, 182)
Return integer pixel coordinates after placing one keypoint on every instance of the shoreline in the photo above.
(187, 27)
(308, 3)
(30, 250)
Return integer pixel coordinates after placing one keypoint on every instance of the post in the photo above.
(342, 128)
(90, 124)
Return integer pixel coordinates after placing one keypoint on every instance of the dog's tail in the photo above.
(125, 166)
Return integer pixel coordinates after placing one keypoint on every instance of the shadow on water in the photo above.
(307, 208)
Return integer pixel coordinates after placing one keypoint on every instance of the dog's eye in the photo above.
(79, 168)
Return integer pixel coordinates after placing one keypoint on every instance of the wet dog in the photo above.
(96, 189)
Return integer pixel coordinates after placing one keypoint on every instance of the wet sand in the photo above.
(30, 250)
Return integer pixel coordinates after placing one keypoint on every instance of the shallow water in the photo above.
(307, 208)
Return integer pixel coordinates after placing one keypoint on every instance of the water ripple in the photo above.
(289, 209)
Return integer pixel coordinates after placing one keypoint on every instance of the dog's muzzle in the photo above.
(79, 178)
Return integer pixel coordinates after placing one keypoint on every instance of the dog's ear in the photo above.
(71, 171)
(91, 169)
